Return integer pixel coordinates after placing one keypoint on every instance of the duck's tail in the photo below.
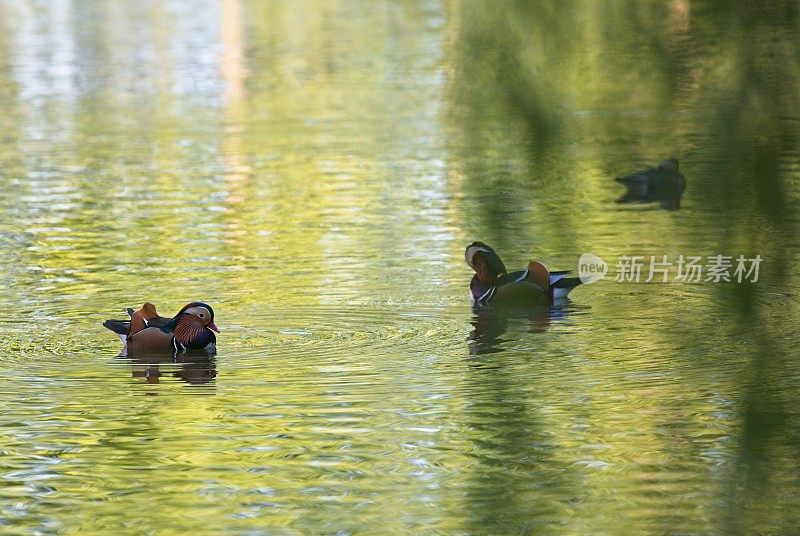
(563, 285)
(120, 327)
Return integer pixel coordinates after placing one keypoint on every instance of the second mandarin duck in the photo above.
(664, 183)
(492, 284)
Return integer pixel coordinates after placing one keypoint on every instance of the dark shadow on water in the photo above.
(752, 176)
(659, 89)
(518, 483)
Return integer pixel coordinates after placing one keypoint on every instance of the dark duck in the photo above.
(663, 183)
(493, 285)
(146, 332)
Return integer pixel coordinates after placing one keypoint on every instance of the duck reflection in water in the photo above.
(194, 370)
(663, 183)
(491, 325)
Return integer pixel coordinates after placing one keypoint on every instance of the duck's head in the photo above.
(485, 261)
(203, 312)
(670, 164)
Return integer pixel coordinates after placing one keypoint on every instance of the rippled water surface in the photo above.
(314, 171)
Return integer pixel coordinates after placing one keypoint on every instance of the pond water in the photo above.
(314, 171)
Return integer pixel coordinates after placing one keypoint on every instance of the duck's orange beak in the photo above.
(212, 326)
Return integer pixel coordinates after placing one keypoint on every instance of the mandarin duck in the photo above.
(664, 183)
(493, 285)
(191, 329)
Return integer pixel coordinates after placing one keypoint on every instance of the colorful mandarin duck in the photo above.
(191, 329)
(664, 183)
(493, 285)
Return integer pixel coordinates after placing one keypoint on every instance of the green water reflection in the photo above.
(314, 171)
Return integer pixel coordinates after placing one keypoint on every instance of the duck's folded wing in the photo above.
(152, 339)
(636, 178)
(157, 322)
(519, 293)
